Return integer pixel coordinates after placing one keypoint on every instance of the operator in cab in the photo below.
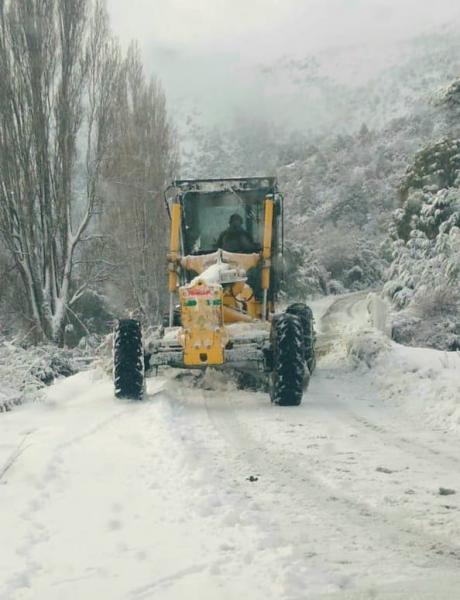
(235, 238)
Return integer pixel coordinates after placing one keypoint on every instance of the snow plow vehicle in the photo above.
(225, 265)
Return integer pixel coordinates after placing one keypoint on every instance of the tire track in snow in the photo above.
(347, 405)
(148, 589)
(424, 465)
(317, 541)
(96, 428)
(333, 314)
(405, 444)
(323, 495)
(217, 490)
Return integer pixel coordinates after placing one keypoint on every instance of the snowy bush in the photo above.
(365, 346)
(17, 380)
(303, 274)
(436, 167)
(424, 275)
(430, 255)
(336, 287)
(435, 302)
(433, 329)
(24, 372)
(354, 275)
(337, 252)
(398, 293)
(403, 297)
(404, 327)
(351, 261)
(391, 288)
(91, 315)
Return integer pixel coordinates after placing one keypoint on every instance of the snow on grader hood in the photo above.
(225, 254)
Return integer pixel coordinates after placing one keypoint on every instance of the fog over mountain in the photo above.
(276, 60)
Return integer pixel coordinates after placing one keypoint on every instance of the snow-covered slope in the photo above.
(421, 382)
(212, 493)
(332, 91)
(424, 383)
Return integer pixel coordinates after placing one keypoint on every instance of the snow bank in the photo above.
(24, 372)
(423, 382)
(366, 346)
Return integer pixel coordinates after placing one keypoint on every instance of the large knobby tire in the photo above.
(128, 360)
(290, 375)
(305, 314)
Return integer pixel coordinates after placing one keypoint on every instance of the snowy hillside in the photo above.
(330, 92)
(342, 171)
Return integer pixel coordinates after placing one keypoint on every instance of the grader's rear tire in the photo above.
(290, 375)
(128, 360)
(304, 313)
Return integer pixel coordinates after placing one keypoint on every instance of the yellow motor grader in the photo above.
(225, 264)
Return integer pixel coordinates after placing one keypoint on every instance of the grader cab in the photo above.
(225, 264)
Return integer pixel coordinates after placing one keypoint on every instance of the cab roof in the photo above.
(233, 183)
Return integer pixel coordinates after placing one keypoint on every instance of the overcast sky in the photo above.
(270, 27)
(210, 46)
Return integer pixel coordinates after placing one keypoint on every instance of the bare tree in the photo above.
(59, 71)
(136, 176)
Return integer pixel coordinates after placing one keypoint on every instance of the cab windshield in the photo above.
(210, 220)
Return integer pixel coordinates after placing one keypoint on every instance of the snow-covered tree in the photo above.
(59, 68)
(141, 165)
(436, 167)
(425, 275)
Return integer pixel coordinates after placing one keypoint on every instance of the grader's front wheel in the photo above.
(290, 374)
(128, 360)
(305, 315)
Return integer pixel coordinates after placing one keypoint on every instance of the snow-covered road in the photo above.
(212, 493)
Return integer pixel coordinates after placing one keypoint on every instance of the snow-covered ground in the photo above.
(421, 382)
(212, 493)
(424, 383)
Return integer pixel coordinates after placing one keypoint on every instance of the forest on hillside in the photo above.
(361, 196)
